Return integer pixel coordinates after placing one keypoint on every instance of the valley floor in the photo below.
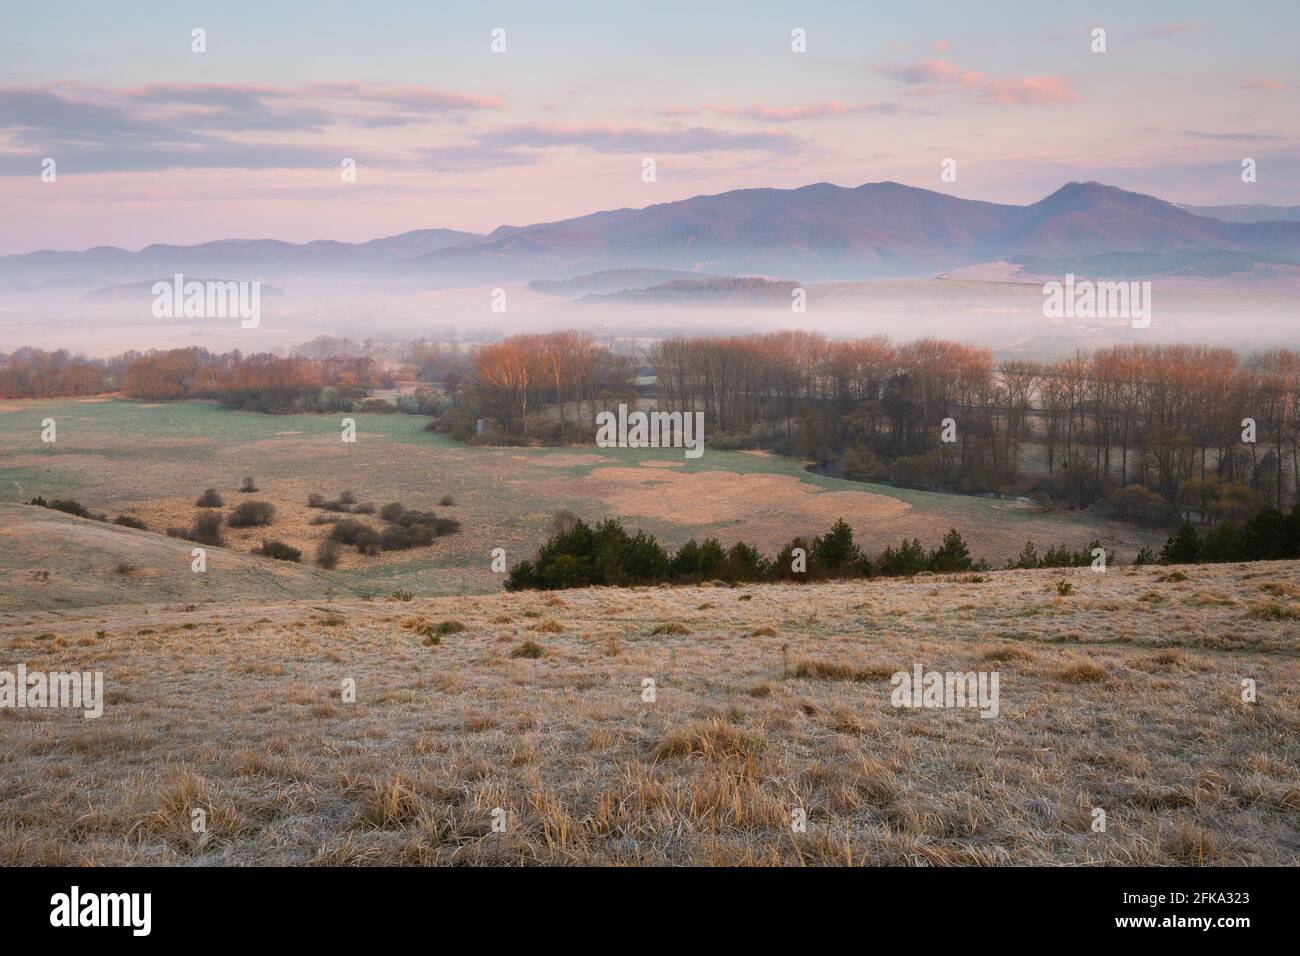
(1123, 695)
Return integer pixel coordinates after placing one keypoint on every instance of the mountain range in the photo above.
(816, 232)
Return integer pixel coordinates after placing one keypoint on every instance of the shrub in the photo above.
(348, 498)
(367, 541)
(1183, 546)
(859, 464)
(347, 529)
(251, 514)
(744, 562)
(951, 555)
(395, 538)
(835, 554)
(248, 487)
(209, 499)
(363, 509)
(907, 559)
(1222, 544)
(327, 554)
(392, 512)
(1141, 505)
(280, 551)
(784, 563)
(1264, 537)
(66, 505)
(126, 521)
(1028, 559)
(446, 501)
(315, 501)
(205, 530)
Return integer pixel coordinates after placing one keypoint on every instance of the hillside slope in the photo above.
(1123, 695)
(50, 560)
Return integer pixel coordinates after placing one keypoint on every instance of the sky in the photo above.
(154, 142)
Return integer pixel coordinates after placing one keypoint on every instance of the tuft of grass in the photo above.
(1084, 672)
(765, 631)
(1064, 587)
(548, 627)
(390, 805)
(670, 628)
(530, 650)
(834, 670)
(1172, 577)
(1007, 653)
(443, 628)
(713, 740)
(1272, 611)
(1280, 588)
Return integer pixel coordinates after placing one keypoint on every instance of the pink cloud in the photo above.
(761, 112)
(1263, 86)
(1028, 91)
(939, 72)
(934, 77)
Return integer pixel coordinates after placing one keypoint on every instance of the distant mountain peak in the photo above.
(817, 231)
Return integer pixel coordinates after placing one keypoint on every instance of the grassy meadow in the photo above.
(1123, 695)
(226, 692)
(151, 461)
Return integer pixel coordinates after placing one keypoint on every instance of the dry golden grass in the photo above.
(777, 700)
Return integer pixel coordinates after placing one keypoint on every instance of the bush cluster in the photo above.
(1271, 535)
(579, 555)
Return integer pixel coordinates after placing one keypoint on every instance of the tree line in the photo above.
(537, 387)
(579, 555)
(1157, 431)
(257, 382)
(1191, 428)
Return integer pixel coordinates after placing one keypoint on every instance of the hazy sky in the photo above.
(156, 143)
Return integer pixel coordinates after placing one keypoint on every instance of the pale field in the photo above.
(1123, 695)
(152, 461)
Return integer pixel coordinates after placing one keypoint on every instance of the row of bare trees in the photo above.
(1158, 416)
(524, 375)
